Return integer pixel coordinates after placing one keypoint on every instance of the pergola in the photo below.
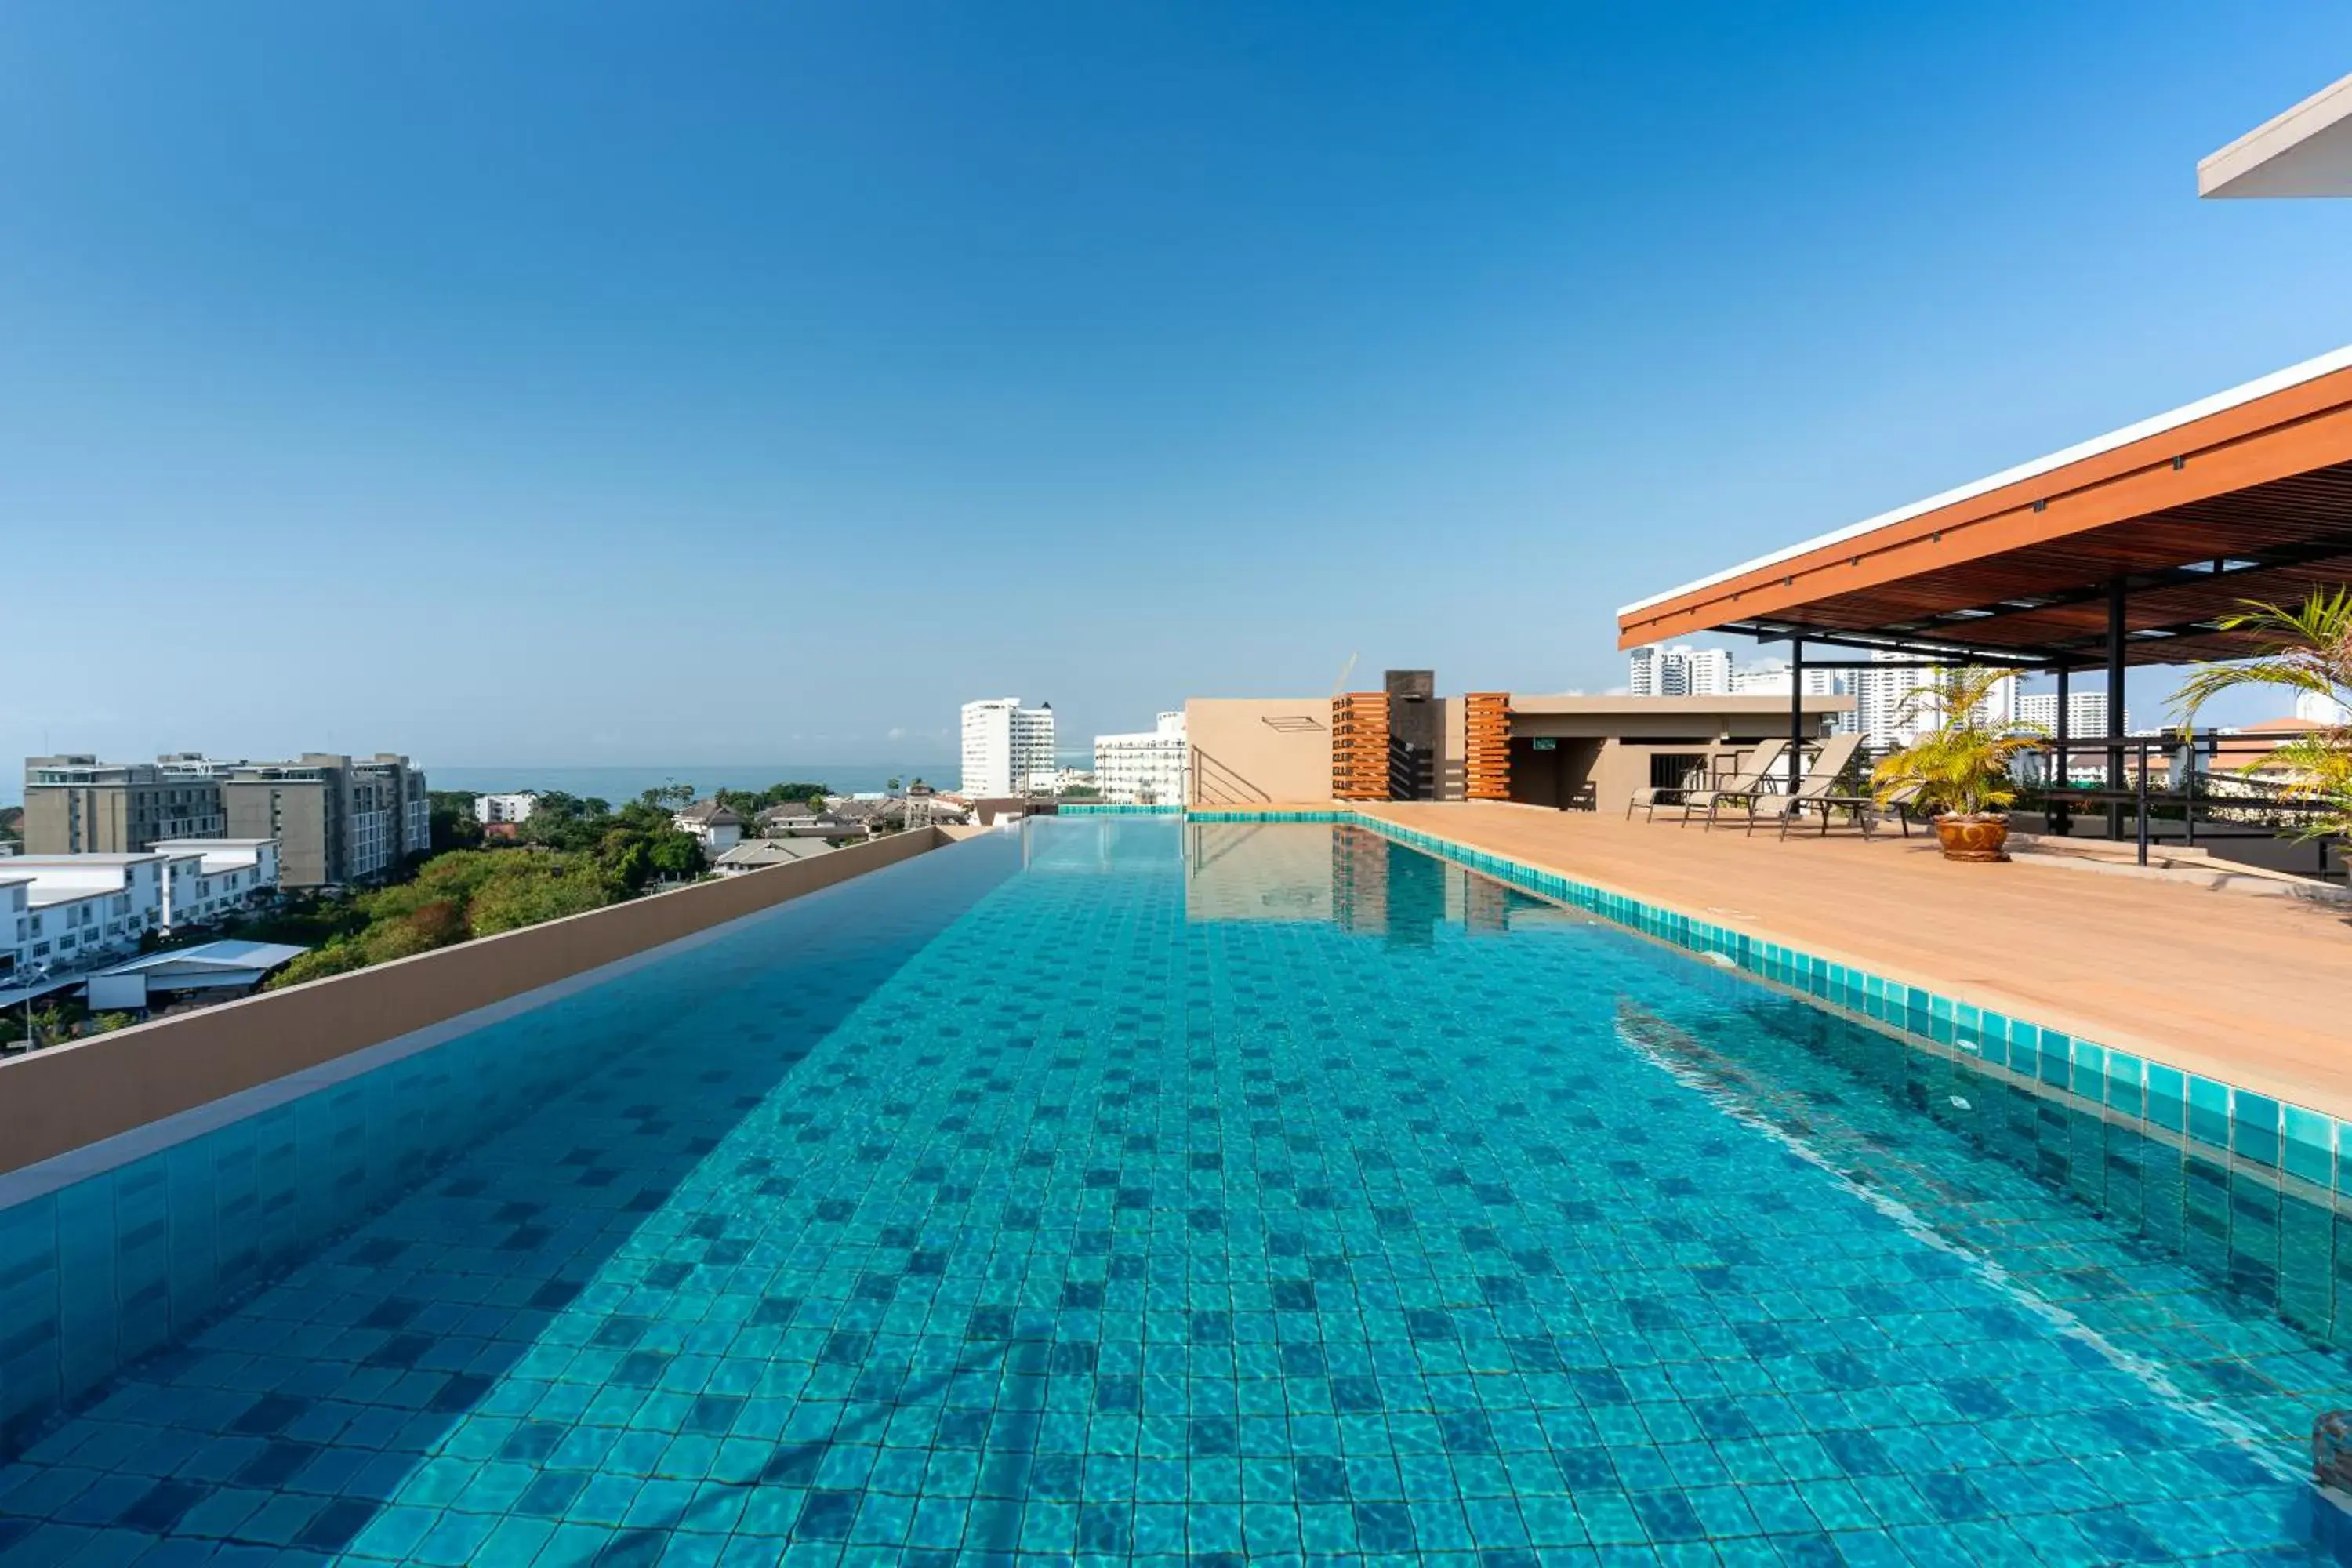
(2127, 550)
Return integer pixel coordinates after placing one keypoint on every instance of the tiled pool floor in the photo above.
(1350, 1209)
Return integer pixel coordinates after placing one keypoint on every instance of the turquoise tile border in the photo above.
(1115, 809)
(2286, 1140)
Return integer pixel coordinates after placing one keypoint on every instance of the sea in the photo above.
(618, 784)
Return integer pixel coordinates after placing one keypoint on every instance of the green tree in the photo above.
(338, 957)
(1962, 766)
(534, 892)
(676, 856)
(454, 827)
(2305, 648)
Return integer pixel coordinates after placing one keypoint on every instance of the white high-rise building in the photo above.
(1769, 678)
(2086, 712)
(1146, 768)
(1886, 715)
(1680, 670)
(1005, 746)
(1644, 676)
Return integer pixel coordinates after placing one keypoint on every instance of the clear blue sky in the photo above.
(578, 384)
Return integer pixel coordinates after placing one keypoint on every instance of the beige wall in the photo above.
(299, 823)
(70, 1096)
(1453, 749)
(1252, 750)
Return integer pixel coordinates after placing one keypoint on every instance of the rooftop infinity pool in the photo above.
(1125, 1189)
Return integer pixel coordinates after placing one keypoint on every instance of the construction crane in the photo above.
(1346, 670)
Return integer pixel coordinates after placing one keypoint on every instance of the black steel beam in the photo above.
(1943, 649)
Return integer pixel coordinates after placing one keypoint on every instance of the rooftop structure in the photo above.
(2130, 549)
(209, 967)
(2305, 152)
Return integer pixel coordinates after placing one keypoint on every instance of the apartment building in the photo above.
(336, 819)
(514, 807)
(215, 877)
(1147, 767)
(64, 911)
(76, 805)
(59, 911)
(1005, 747)
(2086, 713)
(1680, 670)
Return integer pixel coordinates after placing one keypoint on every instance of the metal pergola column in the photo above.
(2061, 819)
(2115, 634)
(1796, 715)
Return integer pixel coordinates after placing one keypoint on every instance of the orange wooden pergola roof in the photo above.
(2244, 495)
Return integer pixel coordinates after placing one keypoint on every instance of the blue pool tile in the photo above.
(2209, 1112)
(2167, 1097)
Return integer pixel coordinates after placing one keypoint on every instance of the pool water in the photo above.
(1126, 1189)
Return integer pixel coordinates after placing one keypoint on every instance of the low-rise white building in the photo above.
(60, 911)
(715, 827)
(514, 807)
(78, 908)
(225, 877)
(1146, 768)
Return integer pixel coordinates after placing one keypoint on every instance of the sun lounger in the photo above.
(1812, 792)
(1756, 778)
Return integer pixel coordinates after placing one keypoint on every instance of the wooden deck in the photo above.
(2251, 990)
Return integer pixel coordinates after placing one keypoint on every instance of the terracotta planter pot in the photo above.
(1973, 838)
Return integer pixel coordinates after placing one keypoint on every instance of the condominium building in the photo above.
(1680, 670)
(76, 805)
(1147, 767)
(1005, 746)
(515, 807)
(338, 819)
(2086, 713)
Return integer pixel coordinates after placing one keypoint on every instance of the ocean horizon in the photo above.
(616, 784)
(623, 783)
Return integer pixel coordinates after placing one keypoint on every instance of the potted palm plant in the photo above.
(1958, 772)
(2306, 649)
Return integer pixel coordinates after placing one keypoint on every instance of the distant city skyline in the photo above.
(861, 363)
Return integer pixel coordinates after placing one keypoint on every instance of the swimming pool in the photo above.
(1135, 1189)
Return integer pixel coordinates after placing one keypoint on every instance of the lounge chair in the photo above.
(1812, 791)
(1649, 798)
(1756, 777)
(1865, 808)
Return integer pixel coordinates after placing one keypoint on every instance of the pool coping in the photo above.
(2267, 1131)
